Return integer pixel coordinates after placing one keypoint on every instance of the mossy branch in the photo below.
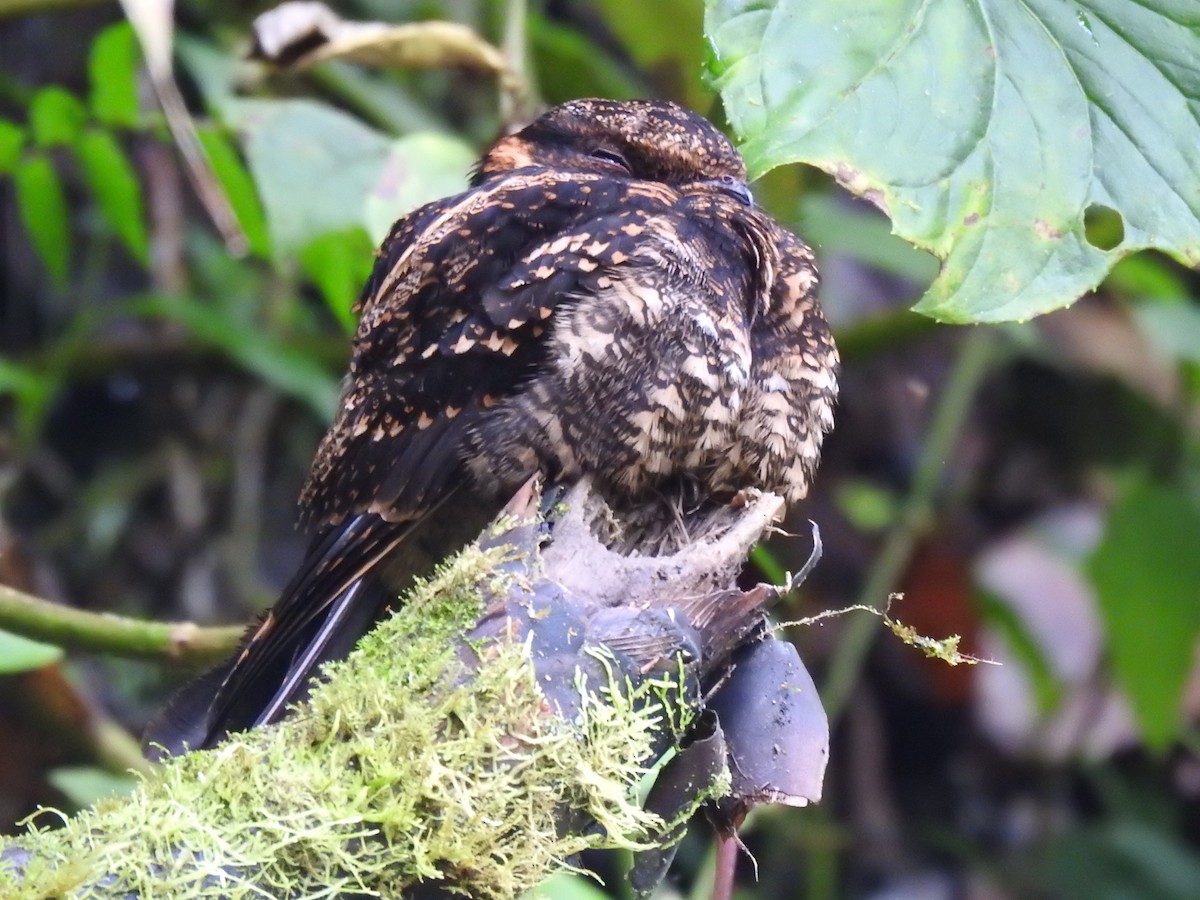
(475, 742)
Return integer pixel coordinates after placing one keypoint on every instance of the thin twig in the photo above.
(39, 619)
(198, 166)
(975, 359)
(726, 867)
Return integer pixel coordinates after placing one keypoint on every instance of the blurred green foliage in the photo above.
(19, 654)
(1098, 404)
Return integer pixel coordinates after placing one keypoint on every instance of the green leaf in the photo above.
(19, 654)
(320, 172)
(768, 563)
(239, 188)
(84, 785)
(1146, 572)
(56, 117)
(567, 886)
(1003, 618)
(1147, 275)
(988, 131)
(313, 165)
(418, 168)
(339, 264)
(12, 141)
(114, 184)
(112, 69)
(867, 506)
(43, 209)
(286, 367)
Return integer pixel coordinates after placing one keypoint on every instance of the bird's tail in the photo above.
(351, 576)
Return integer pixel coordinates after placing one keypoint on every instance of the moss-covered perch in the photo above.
(429, 763)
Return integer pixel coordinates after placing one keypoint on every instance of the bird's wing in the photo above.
(329, 603)
(451, 320)
(444, 334)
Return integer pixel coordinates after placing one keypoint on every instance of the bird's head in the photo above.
(652, 140)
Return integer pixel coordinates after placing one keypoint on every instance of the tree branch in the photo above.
(42, 620)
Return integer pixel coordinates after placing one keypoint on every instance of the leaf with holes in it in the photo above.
(988, 131)
(419, 168)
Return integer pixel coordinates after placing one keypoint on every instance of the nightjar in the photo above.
(604, 299)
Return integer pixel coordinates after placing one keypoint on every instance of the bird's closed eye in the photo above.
(613, 157)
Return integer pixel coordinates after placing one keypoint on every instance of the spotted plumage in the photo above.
(604, 300)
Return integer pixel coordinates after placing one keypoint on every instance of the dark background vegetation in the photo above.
(1030, 487)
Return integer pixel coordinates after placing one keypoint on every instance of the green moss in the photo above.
(399, 768)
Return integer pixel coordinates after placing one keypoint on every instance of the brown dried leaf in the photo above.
(298, 34)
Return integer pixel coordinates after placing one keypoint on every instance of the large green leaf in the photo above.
(320, 171)
(313, 165)
(988, 131)
(418, 168)
(1146, 572)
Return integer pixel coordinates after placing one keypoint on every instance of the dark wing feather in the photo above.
(432, 352)
(311, 622)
